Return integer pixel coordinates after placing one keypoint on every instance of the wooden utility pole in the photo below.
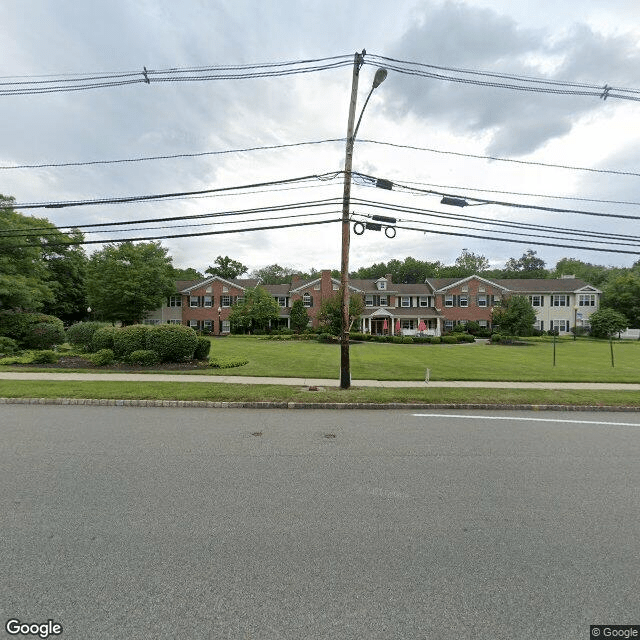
(345, 367)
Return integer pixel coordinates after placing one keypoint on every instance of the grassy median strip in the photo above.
(199, 391)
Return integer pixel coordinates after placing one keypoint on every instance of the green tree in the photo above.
(330, 312)
(299, 317)
(225, 267)
(623, 295)
(515, 316)
(255, 311)
(594, 274)
(469, 263)
(126, 281)
(529, 265)
(186, 274)
(23, 271)
(67, 271)
(606, 322)
(273, 274)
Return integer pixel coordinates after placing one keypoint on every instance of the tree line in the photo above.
(124, 281)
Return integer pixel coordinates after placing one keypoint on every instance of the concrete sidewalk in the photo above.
(310, 382)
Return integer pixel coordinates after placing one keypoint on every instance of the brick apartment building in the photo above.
(434, 307)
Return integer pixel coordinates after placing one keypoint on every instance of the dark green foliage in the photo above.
(21, 327)
(449, 339)
(103, 357)
(45, 357)
(144, 357)
(202, 348)
(606, 322)
(172, 342)
(299, 317)
(515, 316)
(129, 339)
(8, 346)
(45, 335)
(81, 333)
(436, 340)
(407, 340)
(103, 338)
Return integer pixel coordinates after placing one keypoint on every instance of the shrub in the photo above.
(227, 363)
(435, 340)
(81, 333)
(45, 357)
(407, 340)
(203, 347)
(449, 339)
(20, 326)
(130, 339)
(496, 337)
(8, 346)
(102, 357)
(145, 357)
(103, 338)
(45, 335)
(465, 337)
(172, 342)
(327, 338)
(397, 339)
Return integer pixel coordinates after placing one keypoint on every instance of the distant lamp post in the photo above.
(89, 312)
(219, 320)
(575, 321)
(381, 74)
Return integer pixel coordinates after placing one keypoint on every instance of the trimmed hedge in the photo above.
(172, 342)
(32, 330)
(103, 357)
(145, 357)
(203, 347)
(81, 333)
(45, 357)
(129, 339)
(103, 338)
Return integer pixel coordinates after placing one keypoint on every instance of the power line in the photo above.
(498, 159)
(162, 196)
(46, 245)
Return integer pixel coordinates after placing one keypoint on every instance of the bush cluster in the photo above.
(46, 356)
(172, 342)
(203, 346)
(129, 339)
(81, 334)
(32, 330)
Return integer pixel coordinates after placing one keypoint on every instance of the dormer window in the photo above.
(382, 285)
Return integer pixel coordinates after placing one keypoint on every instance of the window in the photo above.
(587, 300)
(483, 323)
(383, 301)
(193, 324)
(562, 326)
(382, 285)
(281, 300)
(559, 301)
(316, 288)
(481, 289)
(194, 301)
(206, 325)
(208, 301)
(151, 321)
(225, 289)
(226, 326)
(335, 287)
(425, 301)
(405, 301)
(448, 325)
(482, 301)
(174, 322)
(464, 301)
(448, 301)
(465, 289)
(536, 301)
(407, 323)
(307, 300)
(175, 301)
(225, 301)
(368, 301)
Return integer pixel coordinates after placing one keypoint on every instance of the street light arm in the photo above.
(381, 74)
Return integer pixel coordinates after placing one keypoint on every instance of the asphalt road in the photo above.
(122, 522)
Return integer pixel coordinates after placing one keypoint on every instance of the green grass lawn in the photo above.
(579, 361)
(213, 392)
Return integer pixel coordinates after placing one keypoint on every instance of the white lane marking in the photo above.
(453, 415)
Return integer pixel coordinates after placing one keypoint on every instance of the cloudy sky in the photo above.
(452, 137)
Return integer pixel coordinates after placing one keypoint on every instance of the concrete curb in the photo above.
(203, 404)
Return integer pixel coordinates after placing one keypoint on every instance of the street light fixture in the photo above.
(219, 320)
(381, 74)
